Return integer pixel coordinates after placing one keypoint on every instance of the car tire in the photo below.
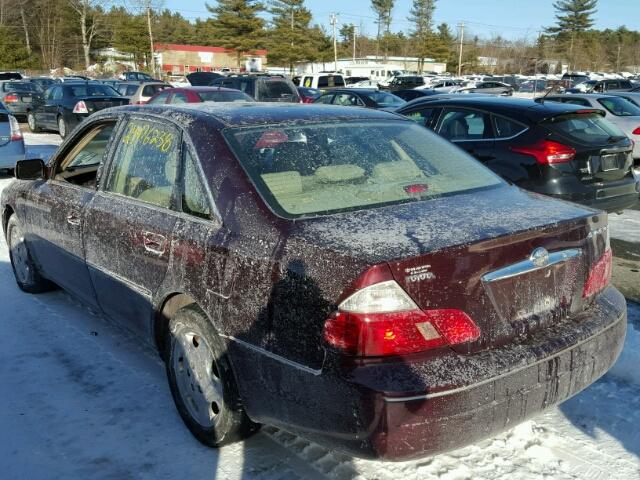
(31, 121)
(202, 382)
(63, 127)
(25, 270)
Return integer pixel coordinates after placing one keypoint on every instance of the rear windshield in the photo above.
(276, 89)
(585, 128)
(620, 107)
(384, 99)
(128, 90)
(25, 87)
(318, 169)
(224, 97)
(92, 90)
(151, 90)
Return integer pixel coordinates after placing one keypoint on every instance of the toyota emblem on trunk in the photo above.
(539, 257)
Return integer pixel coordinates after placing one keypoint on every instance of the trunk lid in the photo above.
(473, 252)
(5, 129)
(95, 104)
(603, 152)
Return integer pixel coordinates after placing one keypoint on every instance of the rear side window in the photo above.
(194, 197)
(224, 97)
(90, 91)
(316, 169)
(161, 98)
(326, 99)
(145, 163)
(459, 124)
(506, 128)
(590, 129)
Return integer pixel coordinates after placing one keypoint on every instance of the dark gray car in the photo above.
(18, 96)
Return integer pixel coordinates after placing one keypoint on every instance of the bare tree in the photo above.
(89, 13)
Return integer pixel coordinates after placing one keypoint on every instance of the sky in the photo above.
(509, 18)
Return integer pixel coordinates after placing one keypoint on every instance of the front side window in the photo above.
(317, 169)
(145, 163)
(346, 99)
(80, 165)
(326, 99)
(459, 124)
(421, 117)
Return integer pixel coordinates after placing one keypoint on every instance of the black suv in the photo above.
(562, 150)
(406, 81)
(263, 88)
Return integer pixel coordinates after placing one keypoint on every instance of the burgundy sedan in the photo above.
(341, 273)
(198, 95)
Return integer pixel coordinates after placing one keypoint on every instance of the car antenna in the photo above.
(552, 89)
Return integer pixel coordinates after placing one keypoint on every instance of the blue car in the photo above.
(11, 141)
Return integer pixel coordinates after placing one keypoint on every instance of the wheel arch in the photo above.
(171, 303)
(7, 211)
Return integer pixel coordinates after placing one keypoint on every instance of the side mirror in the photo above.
(33, 169)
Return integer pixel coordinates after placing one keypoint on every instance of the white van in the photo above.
(323, 80)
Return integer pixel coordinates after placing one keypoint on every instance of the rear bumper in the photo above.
(18, 108)
(410, 408)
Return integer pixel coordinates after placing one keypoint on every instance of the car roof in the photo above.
(588, 96)
(201, 89)
(233, 114)
(533, 110)
(352, 90)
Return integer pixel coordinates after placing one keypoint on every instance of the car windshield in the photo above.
(384, 99)
(589, 128)
(91, 90)
(21, 87)
(276, 89)
(620, 107)
(224, 97)
(318, 169)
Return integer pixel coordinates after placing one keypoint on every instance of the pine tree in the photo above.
(237, 26)
(573, 18)
(289, 39)
(382, 9)
(421, 15)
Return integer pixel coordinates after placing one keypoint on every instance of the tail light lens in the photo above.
(382, 320)
(599, 275)
(10, 98)
(636, 131)
(16, 133)
(547, 152)
(80, 107)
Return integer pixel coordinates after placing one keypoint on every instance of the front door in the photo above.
(56, 213)
(130, 221)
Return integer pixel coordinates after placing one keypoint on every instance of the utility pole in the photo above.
(153, 60)
(354, 43)
(461, 26)
(334, 21)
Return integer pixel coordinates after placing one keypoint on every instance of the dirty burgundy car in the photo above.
(343, 274)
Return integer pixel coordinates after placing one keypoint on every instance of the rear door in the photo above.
(130, 221)
(469, 129)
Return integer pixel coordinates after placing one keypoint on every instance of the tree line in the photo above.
(45, 34)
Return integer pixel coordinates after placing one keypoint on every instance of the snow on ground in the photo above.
(625, 226)
(82, 399)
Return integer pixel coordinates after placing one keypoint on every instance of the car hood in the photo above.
(401, 231)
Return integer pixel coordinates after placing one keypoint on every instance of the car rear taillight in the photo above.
(599, 275)
(16, 133)
(382, 320)
(80, 107)
(636, 131)
(547, 152)
(10, 98)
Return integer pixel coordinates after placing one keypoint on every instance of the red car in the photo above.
(341, 273)
(198, 95)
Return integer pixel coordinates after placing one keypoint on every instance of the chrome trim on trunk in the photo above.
(532, 264)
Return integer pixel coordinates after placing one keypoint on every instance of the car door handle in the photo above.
(154, 242)
(73, 218)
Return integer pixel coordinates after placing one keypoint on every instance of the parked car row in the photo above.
(344, 274)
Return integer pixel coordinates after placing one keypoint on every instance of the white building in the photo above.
(374, 67)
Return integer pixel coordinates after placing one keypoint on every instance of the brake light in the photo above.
(636, 131)
(599, 275)
(547, 152)
(10, 98)
(382, 320)
(80, 107)
(16, 133)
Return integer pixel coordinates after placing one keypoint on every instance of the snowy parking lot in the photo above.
(82, 399)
